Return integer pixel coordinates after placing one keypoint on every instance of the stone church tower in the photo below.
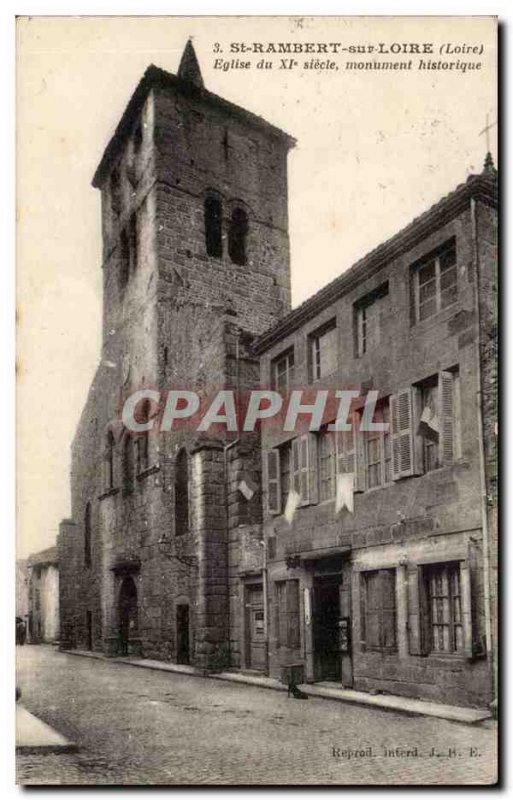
(195, 264)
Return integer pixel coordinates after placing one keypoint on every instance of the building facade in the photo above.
(43, 597)
(178, 547)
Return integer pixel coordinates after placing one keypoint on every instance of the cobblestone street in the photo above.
(138, 726)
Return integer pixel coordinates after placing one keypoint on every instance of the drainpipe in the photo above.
(482, 463)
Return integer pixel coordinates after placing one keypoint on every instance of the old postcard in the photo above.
(257, 315)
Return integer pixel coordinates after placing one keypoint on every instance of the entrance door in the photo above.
(89, 630)
(128, 616)
(182, 634)
(326, 618)
(255, 627)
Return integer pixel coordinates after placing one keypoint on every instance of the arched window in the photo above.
(214, 226)
(143, 438)
(124, 259)
(109, 462)
(128, 465)
(87, 535)
(182, 493)
(237, 236)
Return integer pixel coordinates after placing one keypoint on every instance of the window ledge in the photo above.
(108, 493)
(148, 471)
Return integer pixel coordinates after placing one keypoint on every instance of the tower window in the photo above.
(237, 236)
(128, 465)
(214, 226)
(115, 191)
(182, 493)
(133, 242)
(109, 462)
(87, 535)
(138, 137)
(143, 439)
(124, 259)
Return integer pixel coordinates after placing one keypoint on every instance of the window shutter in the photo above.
(359, 454)
(401, 412)
(446, 419)
(273, 482)
(313, 472)
(345, 449)
(417, 612)
(293, 636)
(360, 581)
(296, 466)
(303, 459)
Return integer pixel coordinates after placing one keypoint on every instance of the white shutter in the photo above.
(304, 468)
(273, 482)
(401, 412)
(359, 454)
(345, 449)
(446, 417)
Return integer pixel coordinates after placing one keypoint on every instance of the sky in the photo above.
(374, 150)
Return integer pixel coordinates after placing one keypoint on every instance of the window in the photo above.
(109, 462)
(443, 586)
(367, 323)
(133, 241)
(213, 226)
(138, 137)
(438, 419)
(128, 465)
(435, 282)
(292, 465)
(87, 535)
(287, 614)
(182, 493)
(378, 610)
(124, 259)
(282, 370)
(237, 236)
(326, 456)
(377, 449)
(142, 440)
(115, 192)
(323, 352)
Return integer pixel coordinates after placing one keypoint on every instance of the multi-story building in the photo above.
(43, 597)
(393, 595)
(177, 548)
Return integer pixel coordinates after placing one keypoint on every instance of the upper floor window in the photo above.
(378, 451)
(87, 535)
(213, 226)
(326, 460)
(367, 320)
(282, 369)
(323, 351)
(237, 236)
(434, 282)
(182, 493)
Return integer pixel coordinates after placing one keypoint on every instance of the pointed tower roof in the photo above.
(489, 166)
(189, 69)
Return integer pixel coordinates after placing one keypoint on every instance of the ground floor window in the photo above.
(378, 610)
(443, 588)
(287, 613)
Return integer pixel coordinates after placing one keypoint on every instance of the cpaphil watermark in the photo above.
(149, 410)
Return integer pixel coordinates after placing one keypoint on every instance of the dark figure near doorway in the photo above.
(294, 691)
(21, 631)
(128, 622)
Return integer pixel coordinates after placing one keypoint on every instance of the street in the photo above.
(140, 726)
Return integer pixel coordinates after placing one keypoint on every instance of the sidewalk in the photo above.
(331, 691)
(35, 736)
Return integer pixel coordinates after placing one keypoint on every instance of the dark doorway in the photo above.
(326, 618)
(182, 634)
(89, 630)
(255, 627)
(128, 615)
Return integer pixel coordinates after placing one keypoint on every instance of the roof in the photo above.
(189, 83)
(48, 556)
(482, 186)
